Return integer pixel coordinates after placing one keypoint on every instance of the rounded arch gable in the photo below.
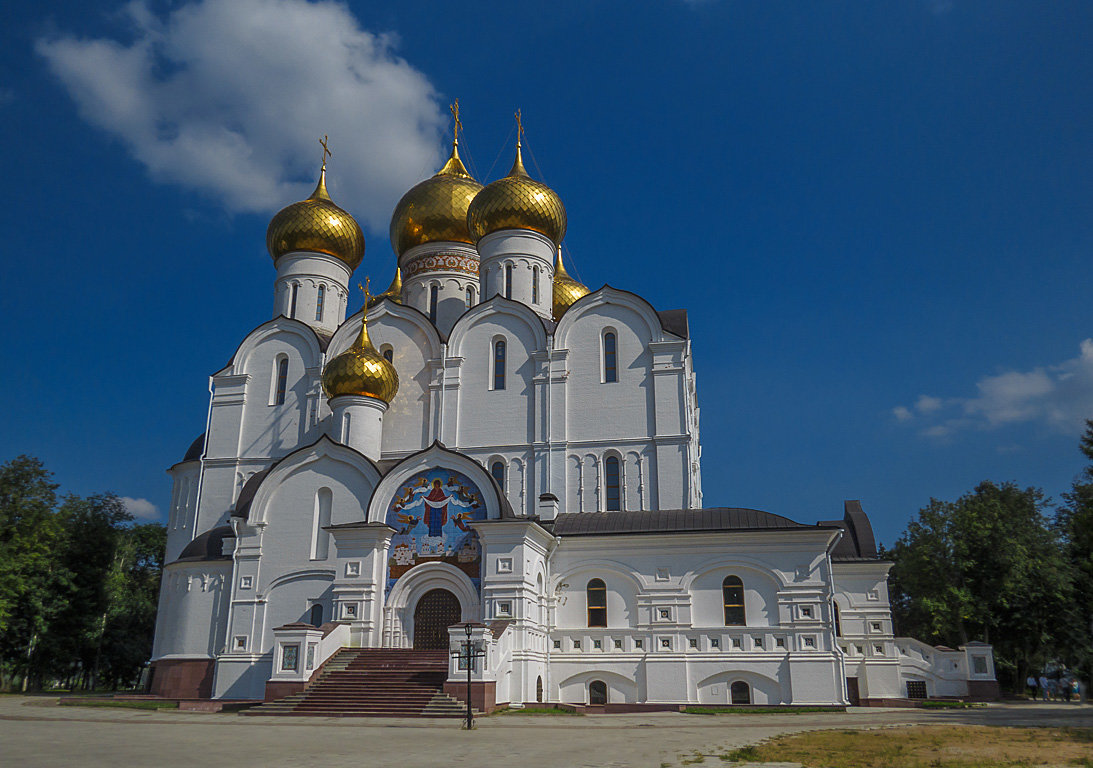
(607, 296)
(294, 333)
(400, 316)
(497, 308)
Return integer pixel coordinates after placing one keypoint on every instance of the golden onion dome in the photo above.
(318, 225)
(566, 289)
(361, 370)
(393, 292)
(436, 209)
(517, 201)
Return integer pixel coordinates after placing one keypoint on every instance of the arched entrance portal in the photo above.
(437, 610)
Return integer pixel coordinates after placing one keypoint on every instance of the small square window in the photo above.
(806, 611)
(245, 582)
(639, 643)
(715, 642)
(240, 643)
(504, 565)
(737, 643)
(665, 614)
(666, 642)
(618, 643)
(353, 569)
(810, 642)
(349, 610)
(876, 626)
(692, 642)
(979, 665)
(558, 644)
(758, 642)
(662, 574)
(780, 642)
(860, 649)
(597, 644)
(878, 649)
(576, 645)
(504, 608)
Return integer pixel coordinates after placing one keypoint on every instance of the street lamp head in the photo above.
(467, 628)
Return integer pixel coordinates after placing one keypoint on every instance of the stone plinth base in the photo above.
(182, 678)
(279, 690)
(984, 690)
(483, 694)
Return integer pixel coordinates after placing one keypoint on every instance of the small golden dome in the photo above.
(517, 201)
(361, 370)
(318, 225)
(393, 292)
(436, 209)
(566, 289)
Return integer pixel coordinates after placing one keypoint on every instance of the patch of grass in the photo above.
(927, 747)
(757, 710)
(950, 705)
(541, 711)
(696, 757)
(75, 702)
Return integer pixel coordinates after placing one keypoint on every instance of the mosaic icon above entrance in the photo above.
(430, 514)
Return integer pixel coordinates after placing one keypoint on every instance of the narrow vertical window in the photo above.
(508, 281)
(610, 365)
(282, 381)
(611, 477)
(499, 364)
(434, 299)
(320, 539)
(596, 595)
(388, 354)
(732, 590)
(295, 295)
(316, 617)
(535, 286)
(470, 296)
(347, 425)
(835, 616)
(319, 303)
(497, 469)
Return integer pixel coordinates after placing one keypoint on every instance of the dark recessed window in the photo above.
(295, 295)
(282, 381)
(508, 281)
(434, 299)
(610, 367)
(597, 692)
(611, 477)
(497, 469)
(596, 593)
(732, 589)
(319, 302)
(499, 364)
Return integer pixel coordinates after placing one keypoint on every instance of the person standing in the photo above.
(1030, 683)
(1043, 688)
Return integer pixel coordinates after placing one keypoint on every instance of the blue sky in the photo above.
(878, 215)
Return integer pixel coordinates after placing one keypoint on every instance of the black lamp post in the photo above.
(466, 655)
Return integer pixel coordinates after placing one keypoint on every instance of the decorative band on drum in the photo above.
(441, 262)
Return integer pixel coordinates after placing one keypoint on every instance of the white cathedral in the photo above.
(492, 450)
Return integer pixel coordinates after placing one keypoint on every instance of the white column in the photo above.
(357, 421)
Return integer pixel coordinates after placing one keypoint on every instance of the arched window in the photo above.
(497, 469)
(388, 353)
(295, 295)
(611, 481)
(610, 367)
(535, 285)
(434, 299)
(320, 539)
(597, 692)
(499, 364)
(740, 693)
(282, 381)
(315, 618)
(596, 594)
(470, 296)
(347, 425)
(539, 689)
(732, 590)
(508, 281)
(319, 303)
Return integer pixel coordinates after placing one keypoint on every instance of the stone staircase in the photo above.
(374, 682)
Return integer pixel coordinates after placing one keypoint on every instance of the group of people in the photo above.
(1064, 688)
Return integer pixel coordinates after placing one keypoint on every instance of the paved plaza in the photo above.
(36, 732)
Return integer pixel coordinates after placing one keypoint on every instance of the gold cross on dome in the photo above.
(364, 289)
(326, 152)
(454, 109)
(519, 125)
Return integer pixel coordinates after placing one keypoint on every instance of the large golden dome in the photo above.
(435, 209)
(517, 201)
(361, 370)
(566, 289)
(316, 225)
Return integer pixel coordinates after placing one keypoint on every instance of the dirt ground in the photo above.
(36, 732)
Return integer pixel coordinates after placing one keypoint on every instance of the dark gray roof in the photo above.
(197, 447)
(857, 543)
(246, 495)
(670, 521)
(207, 546)
(675, 321)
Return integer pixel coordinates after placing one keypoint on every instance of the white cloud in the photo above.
(141, 509)
(1058, 396)
(229, 97)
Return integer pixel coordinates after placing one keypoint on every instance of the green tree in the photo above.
(1076, 527)
(991, 567)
